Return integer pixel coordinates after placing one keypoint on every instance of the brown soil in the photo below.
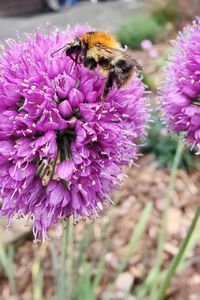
(147, 183)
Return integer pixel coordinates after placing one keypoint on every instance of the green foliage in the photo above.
(7, 264)
(166, 12)
(137, 28)
(163, 145)
(175, 12)
(178, 258)
(136, 236)
(84, 276)
(148, 81)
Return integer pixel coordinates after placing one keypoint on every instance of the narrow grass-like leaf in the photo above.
(37, 274)
(84, 243)
(11, 268)
(37, 281)
(65, 282)
(85, 288)
(6, 261)
(177, 259)
(54, 259)
(70, 259)
(168, 199)
(60, 287)
(136, 236)
(151, 282)
(100, 267)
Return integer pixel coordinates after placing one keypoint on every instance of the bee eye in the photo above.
(73, 48)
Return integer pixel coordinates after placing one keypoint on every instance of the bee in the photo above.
(101, 50)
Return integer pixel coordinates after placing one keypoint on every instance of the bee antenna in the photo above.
(52, 54)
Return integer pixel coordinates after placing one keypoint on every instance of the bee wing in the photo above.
(120, 53)
(131, 60)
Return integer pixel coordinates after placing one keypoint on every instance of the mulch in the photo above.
(146, 183)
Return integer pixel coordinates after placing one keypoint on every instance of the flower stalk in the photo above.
(177, 259)
(168, 199)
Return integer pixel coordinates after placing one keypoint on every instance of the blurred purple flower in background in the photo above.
(180, 94)
(60, 151)
(146, 44)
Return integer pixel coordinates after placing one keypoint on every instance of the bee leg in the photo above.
(76, 59)
(108, 86)
(73, 64)
(72, 58)
(80, 61)
(102, 101)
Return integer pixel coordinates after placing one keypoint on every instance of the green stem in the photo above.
(177, 259)
(168, 199)
(151, 281)
(61, 274)
(64, 149)
(70, 258)
(136, 236)
(66, 269)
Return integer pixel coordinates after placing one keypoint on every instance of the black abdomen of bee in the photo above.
(104, 62)
(90, 63)
(121, 78)
(124, 66)
(122, 72)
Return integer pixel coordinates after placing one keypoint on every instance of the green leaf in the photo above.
(136, 236)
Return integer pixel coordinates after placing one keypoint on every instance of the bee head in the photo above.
(74, 46)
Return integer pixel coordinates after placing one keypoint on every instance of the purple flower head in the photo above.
(61, 151)
(180, 94)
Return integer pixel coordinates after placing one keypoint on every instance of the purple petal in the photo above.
(65, 169)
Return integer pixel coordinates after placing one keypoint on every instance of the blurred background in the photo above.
(125, 254)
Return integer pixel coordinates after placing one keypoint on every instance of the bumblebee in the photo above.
(99, 49)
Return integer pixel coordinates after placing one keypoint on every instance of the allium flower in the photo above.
(60, 151)
(180, 95)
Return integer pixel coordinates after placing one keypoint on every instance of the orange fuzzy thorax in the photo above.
(98, 37)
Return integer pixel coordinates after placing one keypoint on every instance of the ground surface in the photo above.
(147, 183)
